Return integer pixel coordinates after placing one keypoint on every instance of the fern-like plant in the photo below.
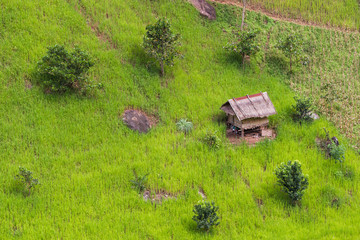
(184, 126)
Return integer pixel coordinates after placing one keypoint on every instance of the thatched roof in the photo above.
(250, 106)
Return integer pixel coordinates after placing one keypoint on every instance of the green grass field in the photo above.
(84, 156)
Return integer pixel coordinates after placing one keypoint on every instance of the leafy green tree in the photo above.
(161, 43)
(184, 126)
(246, 45)
(26, 178)
(292, 180)
(60, 70)
(206, 215)
(292, 46)
(302, 109)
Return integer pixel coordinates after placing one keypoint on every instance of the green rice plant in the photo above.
(184, 126)
(206, 215)
(26, 179)
(292, 180)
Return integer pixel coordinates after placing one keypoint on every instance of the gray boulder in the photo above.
(204, 8)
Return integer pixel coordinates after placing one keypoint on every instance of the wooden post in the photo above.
(242, 130)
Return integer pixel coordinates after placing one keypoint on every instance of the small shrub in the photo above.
(302, 109)
(139, 182)
(212, 140)
(184, 126)
(25, 178)
(292, 180)
(206, 215)
(336, 152)
(61, 71)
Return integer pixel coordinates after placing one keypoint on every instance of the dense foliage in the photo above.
(60, 70)
(206, 215)
(161, 43)
(292, 180)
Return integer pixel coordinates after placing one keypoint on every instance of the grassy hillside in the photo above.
(339, 13)
(84, 156)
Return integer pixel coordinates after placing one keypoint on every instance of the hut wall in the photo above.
(248, 123)
(255, 122)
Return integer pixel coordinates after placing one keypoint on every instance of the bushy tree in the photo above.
(25, 178)
(245, 45)
(292, 46)
(302, 109)
(184, 125)
(161, 43)
(60, 70)
(206, 215)
(292, 180)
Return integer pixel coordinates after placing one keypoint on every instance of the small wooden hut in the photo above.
(249, 112)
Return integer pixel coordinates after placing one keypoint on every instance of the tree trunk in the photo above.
(243, 15)
(243, 61)
(162, 68)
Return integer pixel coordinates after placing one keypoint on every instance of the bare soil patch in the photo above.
(202, 193)
(28, 85)
(251, 138)
(102, 36)
(138, 120)
(157, 196)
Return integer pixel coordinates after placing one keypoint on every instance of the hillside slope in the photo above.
(84, 156)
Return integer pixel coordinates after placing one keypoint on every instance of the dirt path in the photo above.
(278, 17)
